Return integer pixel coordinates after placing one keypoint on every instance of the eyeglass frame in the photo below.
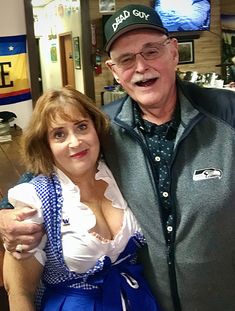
(133, 55)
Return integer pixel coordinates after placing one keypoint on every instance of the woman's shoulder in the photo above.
(24, 194)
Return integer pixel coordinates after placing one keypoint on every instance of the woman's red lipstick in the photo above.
(79, 154)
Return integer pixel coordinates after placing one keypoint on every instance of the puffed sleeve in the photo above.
(24, 195)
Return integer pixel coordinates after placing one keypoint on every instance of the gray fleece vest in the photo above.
(195, 271)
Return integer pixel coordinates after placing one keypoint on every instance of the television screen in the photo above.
(184, 15)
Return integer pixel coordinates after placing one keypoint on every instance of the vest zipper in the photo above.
(170, 249)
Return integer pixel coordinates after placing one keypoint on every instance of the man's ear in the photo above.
(175, 51)
(109, 64)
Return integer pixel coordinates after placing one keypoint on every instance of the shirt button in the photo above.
(169, 228)
(165, 194)
(157, 159)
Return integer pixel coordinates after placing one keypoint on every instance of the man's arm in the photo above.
(13, 231)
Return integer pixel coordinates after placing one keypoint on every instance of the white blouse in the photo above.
(81, 249)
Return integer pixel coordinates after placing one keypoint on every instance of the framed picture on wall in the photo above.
(76, 53)
(53, 53)
(186, 52)
(107, 6)
(228, 38)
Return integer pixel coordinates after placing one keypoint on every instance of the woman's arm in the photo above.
(21, 278)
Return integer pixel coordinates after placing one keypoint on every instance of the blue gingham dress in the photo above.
(107, 286)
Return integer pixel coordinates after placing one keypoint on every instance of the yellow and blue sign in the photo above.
(14, 82)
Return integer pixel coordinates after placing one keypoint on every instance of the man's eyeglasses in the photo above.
(154, 51)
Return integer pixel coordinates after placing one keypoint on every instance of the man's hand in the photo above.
(15, 231)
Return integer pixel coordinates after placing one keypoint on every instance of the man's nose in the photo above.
(140, 62)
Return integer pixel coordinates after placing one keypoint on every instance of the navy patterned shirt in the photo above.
(160, 141)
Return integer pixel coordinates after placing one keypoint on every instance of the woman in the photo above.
(89, 260)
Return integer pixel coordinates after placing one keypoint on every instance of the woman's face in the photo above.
(74, 144)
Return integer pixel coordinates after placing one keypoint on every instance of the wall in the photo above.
(207, 49)
(50, 22)
(12, 23)
(227, 6)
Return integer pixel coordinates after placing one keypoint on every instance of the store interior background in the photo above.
(58, 17)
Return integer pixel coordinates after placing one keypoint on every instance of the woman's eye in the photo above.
(82, 126)
(59, 135)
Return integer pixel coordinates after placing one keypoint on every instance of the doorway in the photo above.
(86, 50)
(66, 59)
(39, 67)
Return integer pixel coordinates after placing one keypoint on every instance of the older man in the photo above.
(171, 149)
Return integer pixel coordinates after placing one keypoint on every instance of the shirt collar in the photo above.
(149, 127)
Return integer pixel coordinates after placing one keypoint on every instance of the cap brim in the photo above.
(133, 27)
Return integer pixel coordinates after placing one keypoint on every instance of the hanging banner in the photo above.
(14, 82)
